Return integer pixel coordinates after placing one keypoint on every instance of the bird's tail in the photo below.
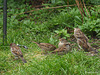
(35, 42)
(23, 60)
(93, 50)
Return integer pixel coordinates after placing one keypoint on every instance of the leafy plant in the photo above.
(61, 2)
(91, 27)
(62, 33)
(53, 39)
(57, 2)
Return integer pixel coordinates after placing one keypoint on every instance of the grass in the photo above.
(40, 27)
(72, 63)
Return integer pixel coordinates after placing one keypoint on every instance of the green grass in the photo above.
(71, 63)
(40, 27)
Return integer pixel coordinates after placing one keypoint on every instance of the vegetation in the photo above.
(47, 26)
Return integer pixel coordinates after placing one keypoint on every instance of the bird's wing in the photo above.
(86, 37)
(60, 49)
(47, 45)
(83, 44)
(17, 51)
(83, 36)
(80, 42)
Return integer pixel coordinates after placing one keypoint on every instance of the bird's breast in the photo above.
(60, 44)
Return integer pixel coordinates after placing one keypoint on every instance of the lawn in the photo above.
(75, 62)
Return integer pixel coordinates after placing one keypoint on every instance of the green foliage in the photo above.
(95, 2)
(62, 33)
(91, 27)
(65, 18)
(61, 2)
(53, 39)
(58, 2)
(71, 63)
(65, 2)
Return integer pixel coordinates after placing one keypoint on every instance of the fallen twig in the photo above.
(45, 8)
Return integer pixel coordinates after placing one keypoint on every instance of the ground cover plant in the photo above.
(47, 26)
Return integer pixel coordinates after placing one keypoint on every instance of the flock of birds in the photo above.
(63, 46)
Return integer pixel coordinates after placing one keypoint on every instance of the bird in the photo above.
(46, 46)
(62, 41)
(16, 51)
(82, 41)
(78, 33)
(65, 48)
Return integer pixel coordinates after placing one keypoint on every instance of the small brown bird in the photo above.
(65, 48)
(62, 41)
(46, 46)
(82, 40)
(79, 34)
(16, 51)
